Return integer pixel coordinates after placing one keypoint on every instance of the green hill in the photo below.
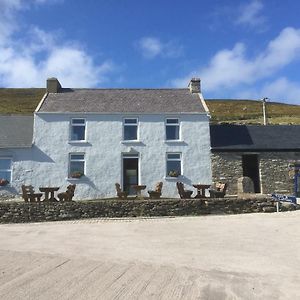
(24, 101)
(20, 101)
(250, 112)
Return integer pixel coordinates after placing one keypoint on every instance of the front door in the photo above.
(130, 172)
(251, 169)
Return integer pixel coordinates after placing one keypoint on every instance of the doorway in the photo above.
(251, 169)
(130, 172)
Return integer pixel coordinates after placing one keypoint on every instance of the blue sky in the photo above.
(239, 49)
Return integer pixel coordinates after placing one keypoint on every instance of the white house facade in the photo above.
(97, 137)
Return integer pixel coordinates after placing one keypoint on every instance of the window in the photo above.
(76, 165)
(78, 130)
(130, 129)
(172, 129)
(173, 164)
(5, 168)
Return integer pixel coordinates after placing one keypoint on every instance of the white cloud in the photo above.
(232, 68)
(250, 14)
(27, 62)
(279, 90)
(151, 47)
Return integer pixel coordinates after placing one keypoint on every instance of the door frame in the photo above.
(129, 156)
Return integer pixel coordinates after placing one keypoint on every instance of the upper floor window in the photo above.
(130, 129)
(5, 168)
(172, 129)
(76, 165)
(78, 130)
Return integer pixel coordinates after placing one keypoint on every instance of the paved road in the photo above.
(253, 256)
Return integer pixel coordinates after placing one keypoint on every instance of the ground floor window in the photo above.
(173, 164)
(5, 168)
(76, 165)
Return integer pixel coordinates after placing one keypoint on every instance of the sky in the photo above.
(246, 49)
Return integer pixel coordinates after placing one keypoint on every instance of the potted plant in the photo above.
(77, 174)
(173, 173)
(3, 182)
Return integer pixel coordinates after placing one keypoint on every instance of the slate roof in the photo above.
(16, 131)
(123, 101)
(255, 137)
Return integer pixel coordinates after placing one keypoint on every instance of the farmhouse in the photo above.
(269, 155)
(97, 137)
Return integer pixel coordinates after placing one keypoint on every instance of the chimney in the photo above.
(194, 85)
(53, 85)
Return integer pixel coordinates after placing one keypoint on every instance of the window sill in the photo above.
(172, 178)
(174, 141)
(78, 143)
(76, 179)
(131, 142)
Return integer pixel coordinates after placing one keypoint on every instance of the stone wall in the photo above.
(21, 212)
(274, 172)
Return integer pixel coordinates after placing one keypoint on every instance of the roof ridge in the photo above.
(128, 89)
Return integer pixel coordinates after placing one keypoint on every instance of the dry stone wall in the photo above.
(21, 212)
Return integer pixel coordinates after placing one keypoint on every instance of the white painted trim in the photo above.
(69, 163)
(137, 124)
(134, 156)
(174, 124)
(77, 125)
(203, 103)
(121, 113)
(41, 102)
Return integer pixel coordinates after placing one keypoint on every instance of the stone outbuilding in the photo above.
(269, 155)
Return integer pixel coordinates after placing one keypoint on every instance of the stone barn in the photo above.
(269, 155)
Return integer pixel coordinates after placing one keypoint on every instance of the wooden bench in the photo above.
(219, 191)
(156, 193)
(184, 194)
(28, 194)
(120, 194)
(68, 194)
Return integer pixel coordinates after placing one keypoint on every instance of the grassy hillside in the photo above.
(20, 101)
(250, 112)
(24, 101)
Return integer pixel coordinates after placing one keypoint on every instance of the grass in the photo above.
(24, 101)
(250, 111)
(20, 101)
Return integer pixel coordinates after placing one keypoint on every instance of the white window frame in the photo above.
(174, 159)
(173, 124)
(131, 124)
(76, 160)
(78, 125)
(7, 170)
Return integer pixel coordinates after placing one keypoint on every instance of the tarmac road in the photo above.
(254, 256)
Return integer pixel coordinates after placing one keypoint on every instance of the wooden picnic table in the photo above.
(49, 190)
(139, 189)
(201, 189)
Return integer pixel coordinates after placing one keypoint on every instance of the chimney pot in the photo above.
(194, 85)
(53, 85)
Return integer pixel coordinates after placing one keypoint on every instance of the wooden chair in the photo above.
(120, 194)
(219, 191)
(156, 193)
(29, 194)
(184, 194)
(68, 194)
